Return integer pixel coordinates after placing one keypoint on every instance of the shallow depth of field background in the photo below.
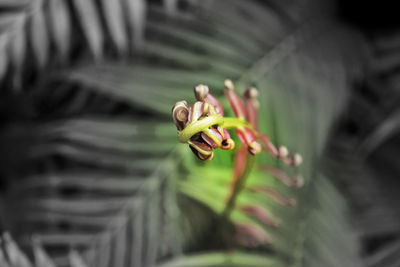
(92, 174)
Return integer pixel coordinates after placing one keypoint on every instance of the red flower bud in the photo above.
(251, 104)
(198, 110)
(234, 100)
(213, 137)
(249, 139)
(201, 93)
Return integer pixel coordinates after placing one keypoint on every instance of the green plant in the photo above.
(90, 159)
(204, 127)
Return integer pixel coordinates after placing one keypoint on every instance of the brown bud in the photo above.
(202, 150)
(198, 110)
(180, 113)
(201, 92)
(251, 93)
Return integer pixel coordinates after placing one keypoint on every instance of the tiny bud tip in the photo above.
(297, 159)
(283, 152)
(229, 84)
(201, 92)
(251, 93)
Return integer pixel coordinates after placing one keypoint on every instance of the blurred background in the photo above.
(91, 170)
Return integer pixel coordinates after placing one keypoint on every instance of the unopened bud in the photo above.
(297, 159)
(202, 150)
(251, 104)
(251, 93)
(254, 148)
(228, 144)
(229, 84)
(283, 152)
(201, 92)
(197, 111)
(180, 114)
(214, 135)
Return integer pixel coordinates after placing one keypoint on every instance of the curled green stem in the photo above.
(203, 124)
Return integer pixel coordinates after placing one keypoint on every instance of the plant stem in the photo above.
(238, 186)
(230, 123)
(200, 125)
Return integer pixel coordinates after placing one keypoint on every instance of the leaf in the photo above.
(15, 255)
(135, 12)
(18, 53)
(60, 26)
(171, 6)
(76, 260)
(39, 35)
(41, 257)
(222, 260)
(91, 26)
(3, 55)
(3, 260)
(115, 23)
(382, 133)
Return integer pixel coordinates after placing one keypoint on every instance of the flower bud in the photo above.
(251, 104)
(251, 93)
(228, 144)
(229, 84)
(213, 137)
(201, 92)
(196, 111)
(249, 139)
(202, 150)
(297, 159)
(254, 148)
(234, 100)
(283, 152)
(180, 114)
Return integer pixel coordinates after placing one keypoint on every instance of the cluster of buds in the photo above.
(204, 127)
(200, 125)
